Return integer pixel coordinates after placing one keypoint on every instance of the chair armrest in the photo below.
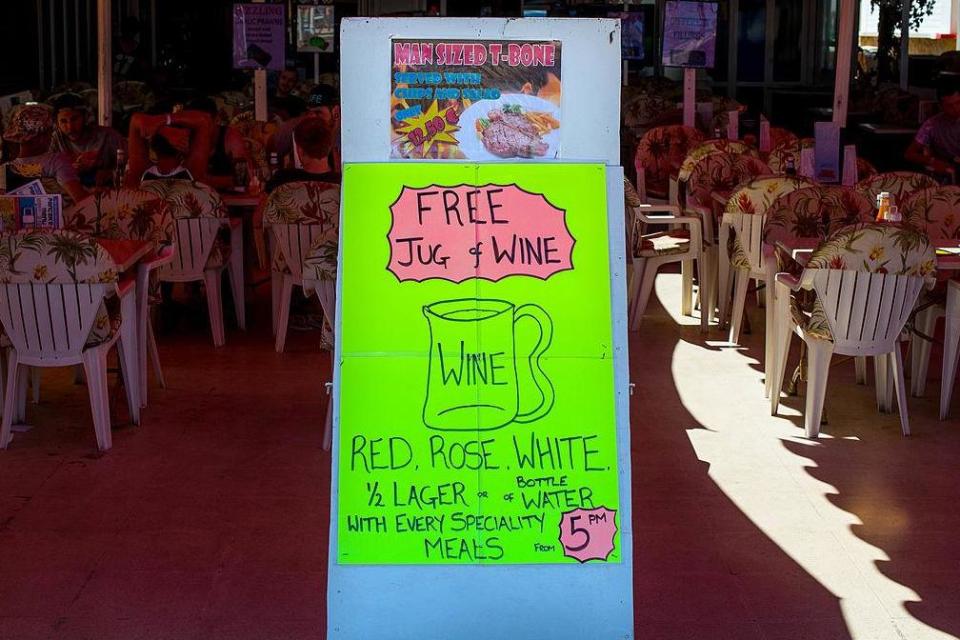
(789, 281)
(666, 212)
(161, 256)
(126, 286)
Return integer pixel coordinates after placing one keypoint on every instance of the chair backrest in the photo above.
(722, 171)
(867, 278)
(900, 184)
(934, 211)
(138, 214)
(52, 289)
(707, 148)
(256, 136)
(789, 148)
(661, 152)
(198, 214)
(746, 212)
(815, 212)
(320, 270)
(780, 136)
(301, 214)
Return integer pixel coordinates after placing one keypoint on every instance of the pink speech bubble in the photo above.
(587, 534)
(466, 231)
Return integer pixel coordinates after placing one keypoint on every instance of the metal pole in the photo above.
(76, 38)
(260, 91)
(104, 62)
(153, 33)
(316, 67)
(905, 45)
(841, 87)
(53, 47)
(40, 40)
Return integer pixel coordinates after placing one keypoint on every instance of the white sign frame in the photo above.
(592, 600)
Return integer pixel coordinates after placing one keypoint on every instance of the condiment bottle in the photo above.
(789, 166)
(120, 169)
(884, 201)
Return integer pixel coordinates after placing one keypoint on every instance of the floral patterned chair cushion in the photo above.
(62, 257)
(900, 184)
(138, 214)
(812, 212)
(934, 211)
(321, 261)
(865, 247)
(755, 198)
(709, 147)
(780, 136)
(256, 136)
(661, 152)
(792, 148)
(313, 203)
(189, 199)
(722, 172)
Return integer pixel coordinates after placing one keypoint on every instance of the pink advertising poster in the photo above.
(689, 34)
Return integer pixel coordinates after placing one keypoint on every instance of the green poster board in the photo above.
(476, 407)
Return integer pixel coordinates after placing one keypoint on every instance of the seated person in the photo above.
(313, 139)
(285, 100)
(228, 147)
(322, 103)
(169, 146)
(31, 128)
(92, 148)
(937, 143)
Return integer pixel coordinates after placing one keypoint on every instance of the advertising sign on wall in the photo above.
(689, 34)
(258, 36)
(475, 100)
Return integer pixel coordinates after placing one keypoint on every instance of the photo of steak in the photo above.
(510, 135)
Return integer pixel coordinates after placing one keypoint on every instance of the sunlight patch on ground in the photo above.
(722, 389)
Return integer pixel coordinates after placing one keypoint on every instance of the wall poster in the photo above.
(259, 31)
(477, 406)
(689, 34)
(477, 100)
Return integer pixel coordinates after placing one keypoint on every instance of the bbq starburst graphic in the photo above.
(431, 127)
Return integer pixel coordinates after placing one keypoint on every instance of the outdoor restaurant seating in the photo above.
(299, 215)
(741, 231)
(133, 214)
(660, 153)
(649, 251)
(899, 184)
(202, 246)
(935, 212)
(864, 281)
(814, 212)
(951, 347)
(59, 307)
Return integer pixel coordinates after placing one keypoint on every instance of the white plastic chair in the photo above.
(138, 214)
(651, 251)
(933, 211)
(857, 311)
(951, 346)
(299, 215)
(199, 245)
(52, 308)
(320, 275)
(745, 216)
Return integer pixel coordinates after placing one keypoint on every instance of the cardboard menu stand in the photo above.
(481, 303)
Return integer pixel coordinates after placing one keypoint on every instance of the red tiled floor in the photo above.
(211, 519)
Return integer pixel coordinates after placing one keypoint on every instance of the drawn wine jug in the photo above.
(478, 378)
